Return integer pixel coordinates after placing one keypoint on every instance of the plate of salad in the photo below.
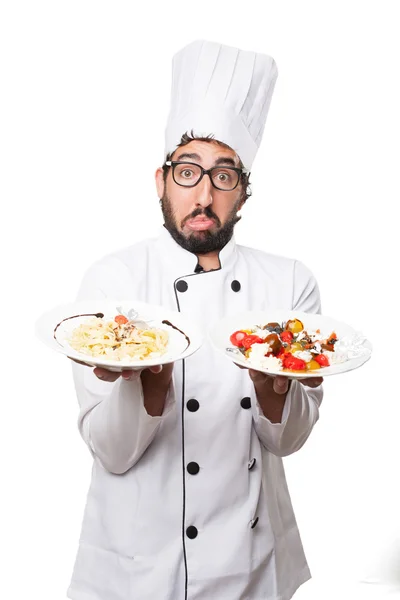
(291, 343)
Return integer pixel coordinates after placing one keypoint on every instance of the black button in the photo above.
(193, 468)
(182, 286)
(251, 463)
(235, 285)
(191, 532)
(254, 522)
(192, 405)
(245, 402)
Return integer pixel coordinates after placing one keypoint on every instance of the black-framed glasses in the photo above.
(189, 174)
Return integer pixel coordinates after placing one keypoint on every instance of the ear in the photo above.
(241, 205)
(159, 175)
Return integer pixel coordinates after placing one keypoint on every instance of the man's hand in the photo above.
(155, 382)
(127, 374)
(271, 391)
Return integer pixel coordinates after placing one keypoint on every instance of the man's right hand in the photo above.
(128, 374)
(155, 381)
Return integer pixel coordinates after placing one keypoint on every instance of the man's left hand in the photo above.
(271, 391)
(280, 384)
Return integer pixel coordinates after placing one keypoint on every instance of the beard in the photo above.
(205, 241)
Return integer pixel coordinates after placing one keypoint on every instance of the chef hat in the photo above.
(222, 91)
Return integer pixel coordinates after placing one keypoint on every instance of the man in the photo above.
(188, 499)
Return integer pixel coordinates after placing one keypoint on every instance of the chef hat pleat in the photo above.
(223, 91)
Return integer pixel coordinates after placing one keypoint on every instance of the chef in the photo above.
(188, 498)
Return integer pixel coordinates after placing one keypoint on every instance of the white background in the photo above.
(84, 100)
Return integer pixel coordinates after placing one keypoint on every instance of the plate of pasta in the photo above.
(118, 335)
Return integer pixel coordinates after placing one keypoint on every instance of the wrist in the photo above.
(155, 391)
(271, 403)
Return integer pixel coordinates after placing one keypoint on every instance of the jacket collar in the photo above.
(179, 262)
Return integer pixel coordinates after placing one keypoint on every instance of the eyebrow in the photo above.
(223, 160)
(188, 155)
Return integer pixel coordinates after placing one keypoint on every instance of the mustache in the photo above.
(206, 212)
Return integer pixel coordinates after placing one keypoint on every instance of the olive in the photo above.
(271, 325)
(295, 326)
(274, 342)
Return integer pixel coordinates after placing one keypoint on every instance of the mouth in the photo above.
(199, 224)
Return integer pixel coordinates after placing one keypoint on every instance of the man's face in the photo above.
(201, 218)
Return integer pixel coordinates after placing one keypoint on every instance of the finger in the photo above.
(255, 373)
(259, 377)
(106, 375)
(156, 369)
(256, 376)
(281, 385)
(130, 375)
(312, 382)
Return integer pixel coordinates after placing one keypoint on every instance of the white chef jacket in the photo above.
(153, 529)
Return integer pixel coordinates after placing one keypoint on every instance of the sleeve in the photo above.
(113, 420)
(301, 410)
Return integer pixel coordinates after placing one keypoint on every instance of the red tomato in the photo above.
(286, 336)
(322, 360)
(251, 339)
(281, 352)
(121, 320)
(237, 338)
(292, 362)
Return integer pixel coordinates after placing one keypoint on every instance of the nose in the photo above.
(204, 192)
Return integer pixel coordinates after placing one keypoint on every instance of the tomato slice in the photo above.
(120, 319)
(322, 360)
(293, 363)
(249, 340)
(286, 336)
(237, 338)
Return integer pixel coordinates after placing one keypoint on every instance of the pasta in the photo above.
(118, 339)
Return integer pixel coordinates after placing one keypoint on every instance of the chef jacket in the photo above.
(192, 504)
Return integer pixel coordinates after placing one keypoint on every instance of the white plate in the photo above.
(54, 327)
(220, 338)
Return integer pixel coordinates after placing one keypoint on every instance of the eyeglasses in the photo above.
(190, 174)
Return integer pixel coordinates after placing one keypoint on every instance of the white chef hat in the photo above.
(223, 91)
